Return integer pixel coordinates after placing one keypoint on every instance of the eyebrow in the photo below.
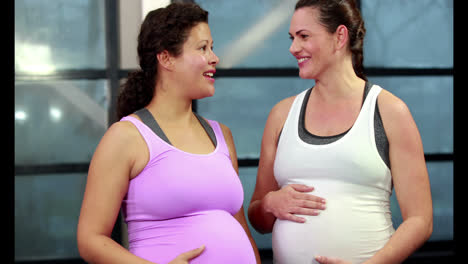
(205, 40)
(297, 32)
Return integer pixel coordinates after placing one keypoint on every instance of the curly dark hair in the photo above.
(342, 12)
(163, 29)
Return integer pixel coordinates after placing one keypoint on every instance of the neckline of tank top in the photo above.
(170, 144)
(329, 139)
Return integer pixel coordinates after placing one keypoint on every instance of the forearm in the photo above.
(240, 217)
(254, 247)
(409, 236)
(102, 249)
(260, 219)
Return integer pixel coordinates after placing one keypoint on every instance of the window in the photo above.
(61, 112)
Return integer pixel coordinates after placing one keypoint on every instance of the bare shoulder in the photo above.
(397, 119)
(121, 132)
(392, 108)
(226, 133)
(281, 109)
(231, 146)
(122, 146)
(224, 128)
(122, 139)
(277, 118)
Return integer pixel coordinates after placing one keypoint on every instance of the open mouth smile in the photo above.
(209, 75)
(302, 60)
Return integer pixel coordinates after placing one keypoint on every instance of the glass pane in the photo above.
(243, 104)
(47, 206)
(59, 34)
(59, 121)
(401, 33)
(441, 179)
(430, 100)
(251, 33)
(248, 177)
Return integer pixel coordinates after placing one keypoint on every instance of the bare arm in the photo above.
(410, 180)
(111, 167)
(240, 216)
(268, 200)
(260, 219)
(107, 183)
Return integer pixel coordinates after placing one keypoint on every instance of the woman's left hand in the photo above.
(330, 260)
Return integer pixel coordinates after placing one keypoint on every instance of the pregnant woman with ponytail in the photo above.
(173, 173)
(331, 155)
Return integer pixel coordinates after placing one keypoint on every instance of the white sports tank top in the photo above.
(356, 183)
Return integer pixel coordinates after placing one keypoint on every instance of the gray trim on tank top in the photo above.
(148, 119)
(379, 131)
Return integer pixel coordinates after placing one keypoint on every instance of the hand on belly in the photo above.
(330, 260)
(293, 199)
(184, 258)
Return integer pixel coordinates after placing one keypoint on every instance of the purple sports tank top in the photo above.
(181, 201)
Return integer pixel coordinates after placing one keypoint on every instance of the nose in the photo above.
(213, 59)
(294, 48)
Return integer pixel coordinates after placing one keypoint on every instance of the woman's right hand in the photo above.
(184, 258)
(292, 199)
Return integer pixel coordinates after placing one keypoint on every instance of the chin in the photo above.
(306, 75)
(205, 93)
(211, 91)
(209, 94)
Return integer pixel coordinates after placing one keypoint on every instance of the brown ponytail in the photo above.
(163, 29)
(334, 13)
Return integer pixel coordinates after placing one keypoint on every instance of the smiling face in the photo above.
(312, 45)
(197, 63)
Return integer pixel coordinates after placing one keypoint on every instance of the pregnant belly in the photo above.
(161, 241)
(339, 231)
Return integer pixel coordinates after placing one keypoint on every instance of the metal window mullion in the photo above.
(112, 56)
(113, 65)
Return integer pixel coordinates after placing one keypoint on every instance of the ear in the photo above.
(165, 60)
(341, 36)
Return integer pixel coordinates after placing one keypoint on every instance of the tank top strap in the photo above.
(290, 127)
(369, 109)
(374, 93)
(148, 119)
(370, 104)
(208, 129)
(363, 130)
(221, 142)
(155, 144)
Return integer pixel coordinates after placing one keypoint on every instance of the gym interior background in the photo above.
(71, 56)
